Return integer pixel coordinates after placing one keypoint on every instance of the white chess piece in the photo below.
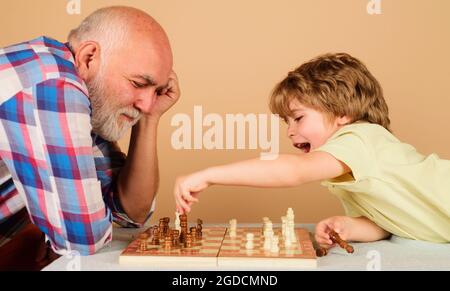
(233, 226)
(249, 244)
(283, 226)
(177, 221)
(290, 213)
(287, 241)
(268, 230)
(267, 243)
(291, 231)
(275, 248)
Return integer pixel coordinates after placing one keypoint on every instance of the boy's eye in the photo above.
(298, 118)
(137, 84)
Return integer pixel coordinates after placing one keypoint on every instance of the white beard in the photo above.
(107, 120)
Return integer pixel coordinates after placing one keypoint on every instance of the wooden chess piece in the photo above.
(143, 242)
(321, 252)
(167, 243)
(342, 243)
(188, 242)
(199, 229)
(176, 238)
(193, 233)
(155, 235)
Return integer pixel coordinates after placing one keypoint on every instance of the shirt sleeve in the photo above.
(353, 149)
(109, 160)
(49, 154)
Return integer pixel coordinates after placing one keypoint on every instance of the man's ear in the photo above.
(87, 59)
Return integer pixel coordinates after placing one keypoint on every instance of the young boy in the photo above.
(337, 117)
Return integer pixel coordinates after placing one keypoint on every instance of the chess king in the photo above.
(63, 107)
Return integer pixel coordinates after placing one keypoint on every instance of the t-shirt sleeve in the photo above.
(355, 150)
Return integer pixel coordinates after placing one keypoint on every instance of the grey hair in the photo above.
(107, 26)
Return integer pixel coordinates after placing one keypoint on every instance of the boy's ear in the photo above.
(343, 120)
(87, 59)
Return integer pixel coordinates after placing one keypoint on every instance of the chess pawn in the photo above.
(143, 242)
(199, 228)
(176, 238)
(167, 243)
(188, 242)
(199, 231)
(193, 231)
(275, 247)
(268, 226)
(233, 233)
(249, 243)
(233, 226)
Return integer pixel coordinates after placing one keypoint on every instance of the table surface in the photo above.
(393, 254)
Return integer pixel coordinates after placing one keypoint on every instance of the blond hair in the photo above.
(336, 85)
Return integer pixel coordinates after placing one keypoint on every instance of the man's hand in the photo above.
(187, 189)
(167, 97)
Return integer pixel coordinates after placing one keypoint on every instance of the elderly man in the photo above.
(62, 109)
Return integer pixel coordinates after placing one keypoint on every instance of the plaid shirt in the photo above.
(50, 162)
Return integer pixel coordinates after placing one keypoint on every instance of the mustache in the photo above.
(131, 112)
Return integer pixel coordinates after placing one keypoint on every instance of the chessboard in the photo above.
(216, 248)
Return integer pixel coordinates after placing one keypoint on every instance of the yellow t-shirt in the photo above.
(402, 191)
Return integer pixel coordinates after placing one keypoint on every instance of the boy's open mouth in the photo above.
(304, 146)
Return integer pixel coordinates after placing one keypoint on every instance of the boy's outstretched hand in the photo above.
(187, 189)
(340, 224)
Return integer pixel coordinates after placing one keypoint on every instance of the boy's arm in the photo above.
(359, 229)
(285, 171)
(365, 230)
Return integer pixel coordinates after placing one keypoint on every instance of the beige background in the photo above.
(229, 54)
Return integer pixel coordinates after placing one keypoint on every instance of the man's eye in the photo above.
(137, 84)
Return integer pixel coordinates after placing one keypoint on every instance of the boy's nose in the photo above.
(290, 131)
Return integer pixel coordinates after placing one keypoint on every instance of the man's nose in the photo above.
(145, 101)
